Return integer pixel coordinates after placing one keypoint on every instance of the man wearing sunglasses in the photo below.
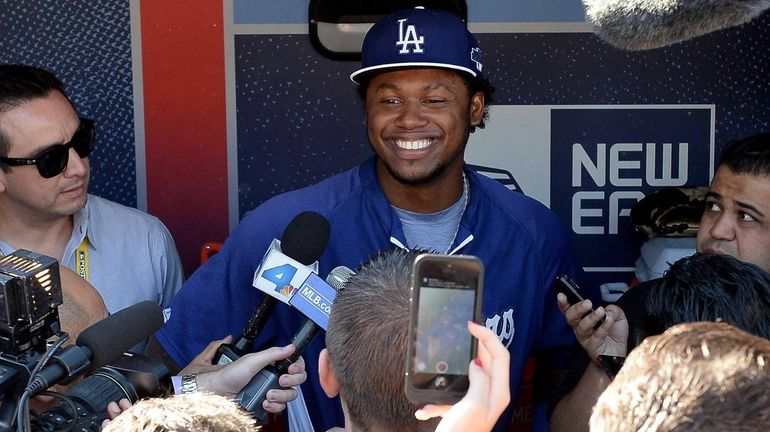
(127, 255)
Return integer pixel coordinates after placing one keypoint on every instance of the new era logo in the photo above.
(409, 37)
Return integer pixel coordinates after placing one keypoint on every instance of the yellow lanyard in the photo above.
(81, 255)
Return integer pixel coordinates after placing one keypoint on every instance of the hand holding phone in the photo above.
(445, 294)
(568, 287)
(489, 392)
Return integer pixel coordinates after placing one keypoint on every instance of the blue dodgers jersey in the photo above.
(522, 244)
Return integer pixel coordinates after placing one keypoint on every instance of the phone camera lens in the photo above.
(441, 382)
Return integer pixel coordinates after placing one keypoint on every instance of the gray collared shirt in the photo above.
(131, 255)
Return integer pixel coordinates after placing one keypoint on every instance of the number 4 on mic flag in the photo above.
(280, 275)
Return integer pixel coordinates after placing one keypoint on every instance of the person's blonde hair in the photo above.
(197, 412)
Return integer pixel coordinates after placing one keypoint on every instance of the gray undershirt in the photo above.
(432, 231)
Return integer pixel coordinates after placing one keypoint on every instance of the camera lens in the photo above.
(91, 397)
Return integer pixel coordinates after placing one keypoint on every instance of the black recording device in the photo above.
(446, 293)
(31, 359)
(30, 292)
(574, 294)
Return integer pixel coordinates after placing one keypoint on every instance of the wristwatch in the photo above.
(189, 384)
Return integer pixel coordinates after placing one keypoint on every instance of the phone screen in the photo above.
(446, 294)
(443, 342)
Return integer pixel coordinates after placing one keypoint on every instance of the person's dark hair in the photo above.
(707, 287)
(367, 342)
(749, 155)
(704, 376)
(18, 85)
(473, 85)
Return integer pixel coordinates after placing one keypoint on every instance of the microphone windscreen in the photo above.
(339, 276)
(121, 331)
(648, 24)
(306, 237)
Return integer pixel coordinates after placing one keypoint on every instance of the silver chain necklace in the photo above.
(465, 198)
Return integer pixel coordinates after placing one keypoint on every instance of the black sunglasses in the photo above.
(53, 160)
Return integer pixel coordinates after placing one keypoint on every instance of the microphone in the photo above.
(338, 277)
(254, 393)
(100, 344)
(302, 243)
(648, 24)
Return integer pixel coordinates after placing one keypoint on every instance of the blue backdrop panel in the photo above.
(87, 44)
(300, 119)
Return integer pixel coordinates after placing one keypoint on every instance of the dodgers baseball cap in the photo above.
(419, 38)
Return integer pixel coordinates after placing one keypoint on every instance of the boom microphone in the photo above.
(648, 24)
(100, 344)
(254, 393)
(303, 240)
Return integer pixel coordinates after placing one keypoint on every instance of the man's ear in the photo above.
(326, 375)
(477, 108)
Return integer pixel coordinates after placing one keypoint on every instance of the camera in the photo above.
(30, 336)
(30, 292)
(133, 377)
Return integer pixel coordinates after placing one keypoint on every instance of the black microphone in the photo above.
(254, 393)
(648, 24)
(303, 240)
(100, 344)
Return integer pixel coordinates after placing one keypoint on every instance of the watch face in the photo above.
(189, 384)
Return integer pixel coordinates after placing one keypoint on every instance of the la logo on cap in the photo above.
(409, 38)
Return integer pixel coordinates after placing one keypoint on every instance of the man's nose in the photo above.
(724, 227)
(411, 115)
(76, 166)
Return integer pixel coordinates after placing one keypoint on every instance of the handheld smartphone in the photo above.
(445, 294)
(568, 287)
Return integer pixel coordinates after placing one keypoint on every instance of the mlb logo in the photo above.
(476, 58)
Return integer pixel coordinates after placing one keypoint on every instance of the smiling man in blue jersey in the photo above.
(422, 80)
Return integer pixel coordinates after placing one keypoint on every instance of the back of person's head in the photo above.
(366, 343)
(707, 287)
(749, 155)
(196, 412)
(82, 305)
(703, 376)
(18, 85)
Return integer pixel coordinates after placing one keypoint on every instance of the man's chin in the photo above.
(71, 208)
(415, 177)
